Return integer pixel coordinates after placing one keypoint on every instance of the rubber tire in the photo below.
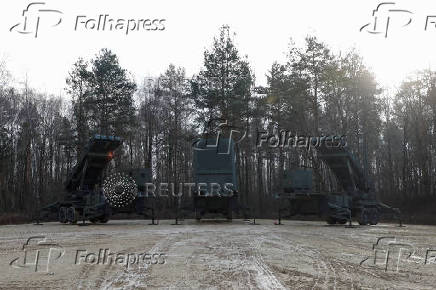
(104, 219)
(74, 221)
(62, 215)
(373, 220)
(331, 221)
(364, 219)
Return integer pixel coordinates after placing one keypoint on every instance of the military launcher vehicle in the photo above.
(356, 201)
(84, 197)
(215, 177)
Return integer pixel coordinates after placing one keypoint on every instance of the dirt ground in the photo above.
(218, 255)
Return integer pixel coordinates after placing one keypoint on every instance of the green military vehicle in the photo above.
(84, 197)
(214, 170)
(356, 201)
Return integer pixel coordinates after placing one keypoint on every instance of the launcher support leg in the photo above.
(400, 219)
(280, 218)
(37, 219)
(153, 217)
(176, 222)
(83, 218)
(350, 222)
(254, 216)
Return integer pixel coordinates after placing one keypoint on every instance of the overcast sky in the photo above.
(263, 30)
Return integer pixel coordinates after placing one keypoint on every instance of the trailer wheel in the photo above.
(93, 220)
(72, 215)
(104, 220)
(62, 215)
(373, 220)
(364, 217)
(331, 220)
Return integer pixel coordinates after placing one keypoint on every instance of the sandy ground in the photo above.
(217, 255)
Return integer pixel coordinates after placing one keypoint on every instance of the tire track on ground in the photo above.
(135, 277)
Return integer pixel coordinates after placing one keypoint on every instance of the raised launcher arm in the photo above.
(345, 167)
(88, 172)
(355, 183)
(84, 198)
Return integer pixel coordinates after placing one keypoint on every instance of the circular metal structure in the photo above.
(119, 189)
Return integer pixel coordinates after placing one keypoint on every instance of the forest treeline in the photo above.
(314, 92)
